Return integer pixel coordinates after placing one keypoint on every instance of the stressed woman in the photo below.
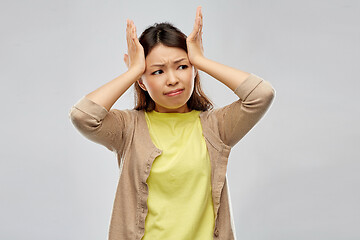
(173, 147)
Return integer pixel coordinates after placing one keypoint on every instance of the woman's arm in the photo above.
(255, 94)
(229, 76)
(238, 118)
(109, 93)
(92, 116)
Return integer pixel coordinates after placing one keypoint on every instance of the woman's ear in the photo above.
(141, 84)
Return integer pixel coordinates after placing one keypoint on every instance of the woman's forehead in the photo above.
(163, 54)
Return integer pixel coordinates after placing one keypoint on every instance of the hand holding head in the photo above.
(194, 40)
(135, 58)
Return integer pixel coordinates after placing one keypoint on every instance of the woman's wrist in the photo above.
(135, 72)
(199, 62)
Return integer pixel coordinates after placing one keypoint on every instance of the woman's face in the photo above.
(168, 78)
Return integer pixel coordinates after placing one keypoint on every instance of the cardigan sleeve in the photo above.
(237, 119)
(99, 125)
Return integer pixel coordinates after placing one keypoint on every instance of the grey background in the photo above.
(294, 176)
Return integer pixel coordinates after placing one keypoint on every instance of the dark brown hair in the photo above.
(170, 36)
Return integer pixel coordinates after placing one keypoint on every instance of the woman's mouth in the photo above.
(174, 93)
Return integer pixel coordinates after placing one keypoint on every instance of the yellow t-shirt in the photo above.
(180, 203)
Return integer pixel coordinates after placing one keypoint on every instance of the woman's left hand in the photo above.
(194, 40)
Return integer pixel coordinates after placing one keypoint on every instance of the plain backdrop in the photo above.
(295, 175)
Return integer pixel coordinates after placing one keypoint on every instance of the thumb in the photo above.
(126, 60)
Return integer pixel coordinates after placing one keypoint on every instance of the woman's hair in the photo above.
(170, 36)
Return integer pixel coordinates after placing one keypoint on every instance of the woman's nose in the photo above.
(172, 79)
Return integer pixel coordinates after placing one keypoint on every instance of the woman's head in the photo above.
(168, 69)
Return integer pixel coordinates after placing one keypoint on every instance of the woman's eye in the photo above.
(157, 72)
(183, 66)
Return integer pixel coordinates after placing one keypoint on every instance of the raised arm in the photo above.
(109, 93)
(255, 94)
(92, 116)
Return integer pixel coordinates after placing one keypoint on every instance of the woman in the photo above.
(172, 148)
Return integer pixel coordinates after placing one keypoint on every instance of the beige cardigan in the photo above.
(126, 133)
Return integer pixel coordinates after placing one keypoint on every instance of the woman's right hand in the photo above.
(135, 58)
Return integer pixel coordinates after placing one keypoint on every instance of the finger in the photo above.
(136, 40)
(200, 26)
(128, 33)
(201, 21)
(192, 34)
(198, 11)
(126, 60)
(196, 24)
(131, 29)
(134, 31)
(195, 30)
(127, 28)
(190, 37)
(131, 33)
(134, 35)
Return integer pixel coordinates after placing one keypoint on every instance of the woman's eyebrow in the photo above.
(161, 65)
